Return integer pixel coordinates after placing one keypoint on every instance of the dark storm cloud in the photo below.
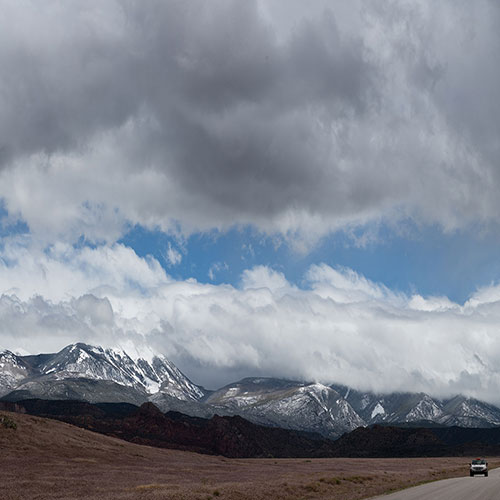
(242, 120)
(64, 75)
(240, 117)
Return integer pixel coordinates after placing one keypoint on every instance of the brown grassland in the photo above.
(42, 459)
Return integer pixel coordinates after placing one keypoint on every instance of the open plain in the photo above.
(46, 459)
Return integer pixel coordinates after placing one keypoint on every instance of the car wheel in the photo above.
(472, 474)
(485, 474)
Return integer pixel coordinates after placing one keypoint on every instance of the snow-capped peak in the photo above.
(94, 362)
(12, 371)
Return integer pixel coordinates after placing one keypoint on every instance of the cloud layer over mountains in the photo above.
(339, 327)
(196, 115)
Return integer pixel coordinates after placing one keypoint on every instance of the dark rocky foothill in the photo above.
(233, 436)
(228, 436)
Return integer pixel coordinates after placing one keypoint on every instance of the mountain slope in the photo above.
(82, 361)
(392, 408)
(13, 370)
(79, 389)
(288, 404)
(399, 408)
(469, 412)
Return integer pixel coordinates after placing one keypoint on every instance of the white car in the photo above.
(479, 466)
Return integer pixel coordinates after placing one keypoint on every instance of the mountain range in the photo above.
(96, 375)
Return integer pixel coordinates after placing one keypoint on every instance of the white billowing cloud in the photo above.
(346, 285)
(299, 120)
(340, 328)
(62, 271)
(264, 277)
(420, 303)
(485, 295)
(174, 257)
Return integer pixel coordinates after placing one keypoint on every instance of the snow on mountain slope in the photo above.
(425, 408)
(251, 391)
(393, 408)
(295, 405)
(378, 410)
(417, 407)
(172, 381)
(469, 412)
(13, 370)
(114, 365)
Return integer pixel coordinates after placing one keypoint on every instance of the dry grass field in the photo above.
(45, 459)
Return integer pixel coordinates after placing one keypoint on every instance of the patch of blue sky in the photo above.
(10, 226)
(212, 257)
(424, 260)
(82, 242)
(421, 260)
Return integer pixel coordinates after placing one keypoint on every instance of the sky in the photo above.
(257, 188)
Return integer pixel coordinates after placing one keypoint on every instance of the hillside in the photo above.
(46, 459)
(228, 436)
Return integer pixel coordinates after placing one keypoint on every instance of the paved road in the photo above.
(461, 488)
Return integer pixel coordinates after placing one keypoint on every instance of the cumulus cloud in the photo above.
(345, 285)
(297, 121)
(340, 327)
(63, 271)
(264, 277)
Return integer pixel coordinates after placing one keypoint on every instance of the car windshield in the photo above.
(476, 462)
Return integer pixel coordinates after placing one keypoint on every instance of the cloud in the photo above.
(215, 268)
(340, 327)
(345, 285)
(63, 271)
(264, 277)
(420, 303)
(296, 121)
(173, 256)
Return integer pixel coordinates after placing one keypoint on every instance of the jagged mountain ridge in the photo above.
(391, 408)
(82, 361)
(93, 374)
(419, 407)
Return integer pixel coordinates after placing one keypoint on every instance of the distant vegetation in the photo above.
(7, 422)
